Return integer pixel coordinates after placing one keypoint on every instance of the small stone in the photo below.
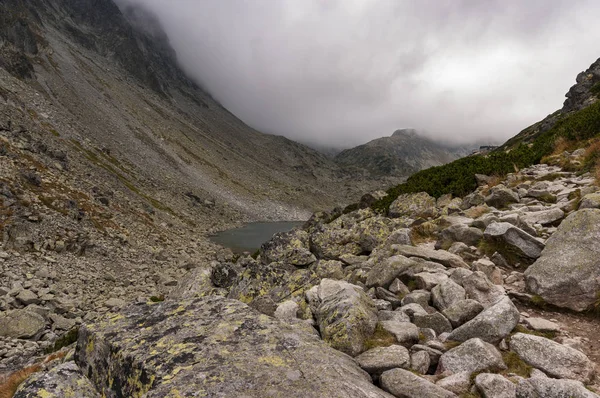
(377, 360)
(114, 302)
(542, 325)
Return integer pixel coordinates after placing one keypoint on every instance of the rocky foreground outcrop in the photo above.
(364, 305)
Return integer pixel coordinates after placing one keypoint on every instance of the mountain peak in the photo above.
(405, 133)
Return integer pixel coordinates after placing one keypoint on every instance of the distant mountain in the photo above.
(403, 153)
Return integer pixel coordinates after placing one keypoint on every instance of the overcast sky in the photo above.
(342, 72)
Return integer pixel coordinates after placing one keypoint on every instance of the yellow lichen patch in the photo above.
(43, 393)
(89, 347)
(273, 360)
(177, 310)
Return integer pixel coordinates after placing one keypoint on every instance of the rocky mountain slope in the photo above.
(403, 153)
(434, 299)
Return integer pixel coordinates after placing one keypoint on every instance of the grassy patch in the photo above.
(157, 299)
(538, 301)
(596, 90)
(515, 364)
(450, 344)
(523, 329)
(458, 177)
(380, 338)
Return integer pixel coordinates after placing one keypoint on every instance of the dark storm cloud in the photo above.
(341, 72)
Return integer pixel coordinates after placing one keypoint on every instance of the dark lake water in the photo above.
(249, 237)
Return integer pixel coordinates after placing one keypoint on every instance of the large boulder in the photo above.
(555, 359)
(568, 272)
(62, 381)
(590, 201)
(492, 385)
(347, 317)
(474, 355)
(447, 293)
(413, 205)
(288, 247)
(21, 324)
(544, 217)
(462, 311)
(215, 347)
(513, 243)
(379, 359)
(491, 325)
(405, 384)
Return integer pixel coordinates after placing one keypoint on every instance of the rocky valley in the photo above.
(479, 278)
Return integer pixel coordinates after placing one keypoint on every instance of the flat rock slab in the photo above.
(439, 256)
(542, 325)
(474, 355)
(215, 347)
(21, 324)
(380, 359)
(543, 387)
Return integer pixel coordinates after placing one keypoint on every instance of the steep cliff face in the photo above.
(584, 93)
(400, 155)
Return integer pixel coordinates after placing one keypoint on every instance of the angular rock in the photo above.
(405, 333)
(287, 310)
(513, 242)
(491, 325)
(413, 205)
(490, 270)
(447, 293)
(386, 271)
(542, 325)
(458, 275)
(393, 316)
(495, 386)
(500, 197)
(114, 302)
(21, 324)
(390, 297)
(212, 346)
(62, 381)
(27, 297)
(420, 362)
(462, 311)
(435, 321)
(439, 256)
(421, 297)
(544, 217)
(405, 384)
(474, 355)
(457, 383)
(429, 280)
(397, 287)
(553, 358)
(542, 387)
(379, 359)
(479, 287)
(566, 275)
(346, 316)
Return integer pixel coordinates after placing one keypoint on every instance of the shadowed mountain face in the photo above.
(109, 80)
(402, 154)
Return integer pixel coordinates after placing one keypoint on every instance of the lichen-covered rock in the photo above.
(405, 384)
(439, 256)
(260, 283)
(384, 272)
(62, 381)
(405, 333)
(290, 247)
(590, 201)
(474, 355)
(435, 321)
(543, 387)
(458, 383)
(378, 360)
(555, 359)
(491, 325)
(197, 283)
(21, 324)
(513, 242)
(413, 205)
(567, 273)
(347, 317)
(544, 217)
(216, 347)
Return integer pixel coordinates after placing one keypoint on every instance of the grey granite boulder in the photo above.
(212, 346)
(439, 256)
(474, 355)
(554, 359)
(566, 274)
(384, 273)
(405, 384)
(479, 287)
(378, 360)
(462, 311)
(413, 205)
(491, 325)
(513, 242)
(544, 387)
(500, 197)
(492, 385)
(21, 324)
(447, 293)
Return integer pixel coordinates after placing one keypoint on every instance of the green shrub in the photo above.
(458, 177)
